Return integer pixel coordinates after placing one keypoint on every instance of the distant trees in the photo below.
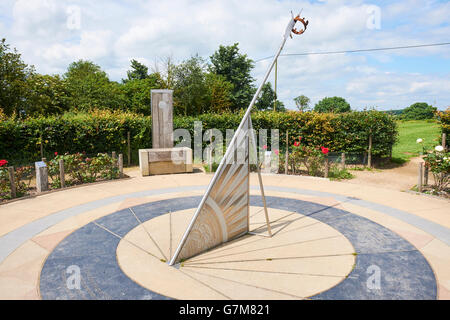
(190, 86)
(138, 71)
(88, 87)
(222, 84)
(14, 75)
(268, 99)
(333, 105)
(302, 103)
(418, 111)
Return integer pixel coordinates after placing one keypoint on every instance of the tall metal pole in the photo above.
(276, 76)
(289, 29)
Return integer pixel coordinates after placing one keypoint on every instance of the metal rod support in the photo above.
(287, 33)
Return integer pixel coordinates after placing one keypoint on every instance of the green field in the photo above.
(409, 131)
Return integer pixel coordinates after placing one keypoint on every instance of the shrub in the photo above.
(22, 178)
(418, 111)
(80, 169)
(336, 173)
(438, 161)
(444, 118)
(103, 131)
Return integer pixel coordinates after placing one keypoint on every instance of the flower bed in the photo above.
(78, 168)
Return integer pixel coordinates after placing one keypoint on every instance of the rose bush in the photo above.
(438, 162)
(22, 179)
(80, 168)
(311, 157)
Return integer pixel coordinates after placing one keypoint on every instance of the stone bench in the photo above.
(165, 161)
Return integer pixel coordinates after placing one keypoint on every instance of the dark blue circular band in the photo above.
(405, 273)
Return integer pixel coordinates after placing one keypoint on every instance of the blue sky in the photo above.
(51, 34)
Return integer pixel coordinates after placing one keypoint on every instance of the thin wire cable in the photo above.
(358, 50)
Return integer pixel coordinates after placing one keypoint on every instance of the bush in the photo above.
(336, 173)
(418, 111)
(22, 177)
(104, 131)
(81, 169)
(438, 161)
(444, 118)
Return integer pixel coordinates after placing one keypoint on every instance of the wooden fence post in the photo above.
(129, 148)
(121, 165)
(343, 160)
(210, 159)
(444, 142)
(327, 166)
(420, 177)
(369, 155)
(113, 155)
(286, 161)
(12, 181)
(41, 146)
(62, 176)
(425, 175)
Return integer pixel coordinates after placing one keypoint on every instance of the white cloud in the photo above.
(113, 32)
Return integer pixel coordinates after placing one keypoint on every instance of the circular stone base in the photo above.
(303, 258)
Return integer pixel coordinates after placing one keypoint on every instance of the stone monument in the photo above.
(163, 158)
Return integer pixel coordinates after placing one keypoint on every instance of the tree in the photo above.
(14, 74)
(190, 89)
(418, 111)
(47, 95)
(219, 93)
(236, 68)
(302, 103)
(138, 72)
(332, 105)
(89, 87)
(165, 70)
(266, 99)
(137, 94)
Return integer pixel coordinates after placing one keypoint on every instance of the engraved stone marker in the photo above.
(41, 176)
(162, 119)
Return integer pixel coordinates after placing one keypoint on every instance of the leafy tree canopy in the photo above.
(302, 103)
(14, 74)
(190, 87)
(236, 68)
(418, 111)
(138, 71)
(332, 105)
(88, 88)
(266, 100)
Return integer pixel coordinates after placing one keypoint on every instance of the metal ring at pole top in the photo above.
(303, 21)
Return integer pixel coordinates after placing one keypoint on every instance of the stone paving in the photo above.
(406, 236)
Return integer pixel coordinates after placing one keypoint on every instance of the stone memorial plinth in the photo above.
(163, 158)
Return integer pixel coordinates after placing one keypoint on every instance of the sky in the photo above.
(50, 34)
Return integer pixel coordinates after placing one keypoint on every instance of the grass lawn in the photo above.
(409, 131)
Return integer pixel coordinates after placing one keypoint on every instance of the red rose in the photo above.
(300, 138)
(296, 143)
(325, 150)
(276, 152)
(56, 153)
(265, 147)
(3, 162)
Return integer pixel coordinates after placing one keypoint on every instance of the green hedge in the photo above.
(105, 131)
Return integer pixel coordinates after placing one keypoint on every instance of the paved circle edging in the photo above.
(405, 273)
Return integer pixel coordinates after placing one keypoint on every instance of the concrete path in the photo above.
(31, 229)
